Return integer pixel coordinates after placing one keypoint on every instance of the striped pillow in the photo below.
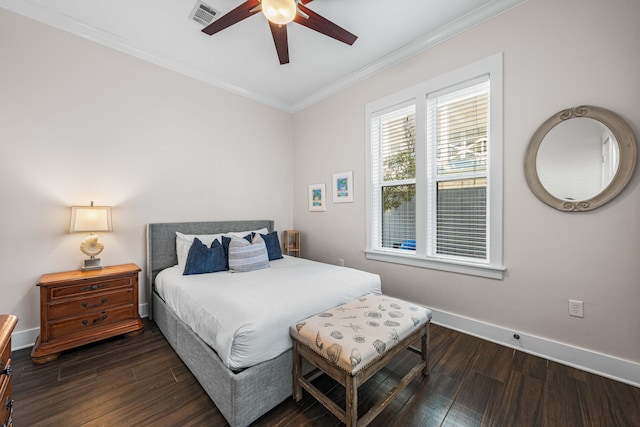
(247, 256)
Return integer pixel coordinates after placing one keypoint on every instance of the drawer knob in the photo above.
(93, 287)
(85, 304)
(95, 321)
(9, 404)
(6, 371)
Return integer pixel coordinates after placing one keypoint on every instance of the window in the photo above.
(434, 167)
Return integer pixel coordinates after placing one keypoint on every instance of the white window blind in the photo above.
(457, 135)
(394, 145)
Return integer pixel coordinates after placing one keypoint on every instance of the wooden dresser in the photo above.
(80, 307)
(7, 323)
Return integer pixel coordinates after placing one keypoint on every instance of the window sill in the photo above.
(417, 261)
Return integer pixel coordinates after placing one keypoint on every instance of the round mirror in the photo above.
(580, 158)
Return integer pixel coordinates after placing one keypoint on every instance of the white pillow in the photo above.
(241, 234)
(184, 242)
(245, 256)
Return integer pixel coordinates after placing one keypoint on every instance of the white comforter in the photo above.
(245, 317)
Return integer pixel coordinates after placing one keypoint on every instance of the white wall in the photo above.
(81, 122)
(556, 55)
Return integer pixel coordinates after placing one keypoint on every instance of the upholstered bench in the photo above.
(352, 342)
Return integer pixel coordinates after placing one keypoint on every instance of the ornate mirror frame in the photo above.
(627, 163)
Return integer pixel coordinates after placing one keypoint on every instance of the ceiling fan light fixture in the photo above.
(279, 12)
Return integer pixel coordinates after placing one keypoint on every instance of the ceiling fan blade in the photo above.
(305, 1)
(279, 33)
(241, 12)
(324, 26)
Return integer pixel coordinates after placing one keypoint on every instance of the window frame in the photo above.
(492, 267)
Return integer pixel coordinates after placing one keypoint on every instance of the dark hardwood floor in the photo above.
(140, 381)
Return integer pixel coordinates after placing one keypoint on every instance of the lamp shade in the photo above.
(90, 219)
(279, 12)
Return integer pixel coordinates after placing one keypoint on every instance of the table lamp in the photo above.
(91, 219)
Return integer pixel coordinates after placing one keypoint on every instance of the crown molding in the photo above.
(443, 33)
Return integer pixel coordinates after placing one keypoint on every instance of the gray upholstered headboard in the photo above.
(161, 243)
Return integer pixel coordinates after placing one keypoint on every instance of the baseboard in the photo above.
(143, 309)
(26, 338)
(605, 365)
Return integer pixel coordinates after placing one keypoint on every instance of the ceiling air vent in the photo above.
(203, 13)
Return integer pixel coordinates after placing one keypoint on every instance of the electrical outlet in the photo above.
(341, 262)
(576, 308)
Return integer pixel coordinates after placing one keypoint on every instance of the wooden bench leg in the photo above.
(425, 351)
(297, 372)
(351, 386)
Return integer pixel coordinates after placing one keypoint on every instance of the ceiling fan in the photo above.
(279, 13)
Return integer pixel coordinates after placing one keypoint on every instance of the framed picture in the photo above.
(343, 187)
(317, 200)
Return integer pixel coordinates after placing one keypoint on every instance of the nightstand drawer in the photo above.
(66, 291)
(89, 304)
(90, 322)
(6, 401)
(7, 324)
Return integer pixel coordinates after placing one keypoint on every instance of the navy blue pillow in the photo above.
(202, 259)
(273, 245)
(225, 244)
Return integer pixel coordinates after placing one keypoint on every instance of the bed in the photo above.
(242, 386)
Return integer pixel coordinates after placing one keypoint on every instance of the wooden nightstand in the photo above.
(7, 323)
(291, 239)
(78, 308)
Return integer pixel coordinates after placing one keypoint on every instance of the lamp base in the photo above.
(92, 264)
